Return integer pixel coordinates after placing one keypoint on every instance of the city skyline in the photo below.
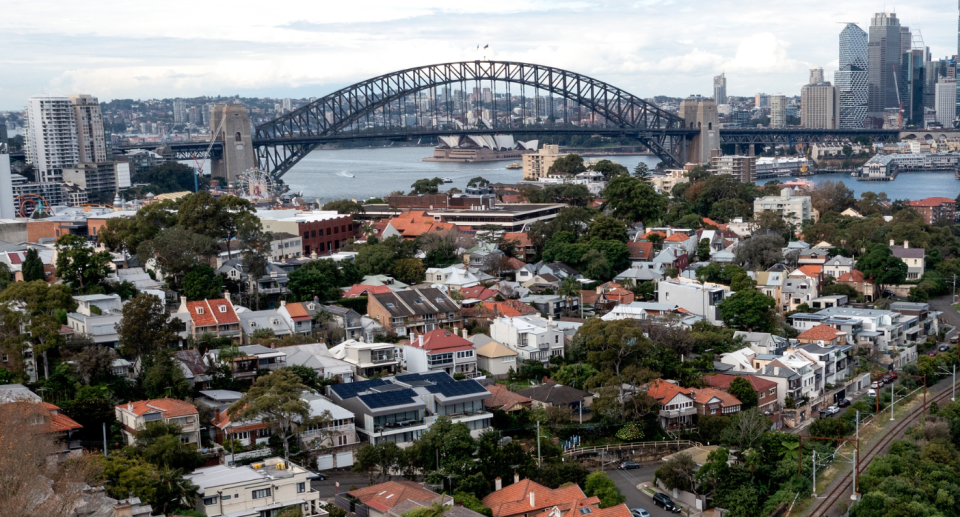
(286, 52)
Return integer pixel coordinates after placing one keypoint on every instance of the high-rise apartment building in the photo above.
(954, 69)
(884, 50)
(816, 75)
(51, 140)
(91, 140)
(851, 78)
(778, 111)
(287, 105)
(818, 106)
(179, 111)
(761, 100)
(720, 88)
(946, 101)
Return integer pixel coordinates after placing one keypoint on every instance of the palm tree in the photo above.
(172, 490)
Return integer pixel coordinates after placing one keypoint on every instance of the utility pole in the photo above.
(891, 402)
(953, 396)
(854, 474)
(538, 444)
(105, 438)
(858, 424)
(814, 473)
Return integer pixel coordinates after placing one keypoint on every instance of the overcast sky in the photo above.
(280, 48)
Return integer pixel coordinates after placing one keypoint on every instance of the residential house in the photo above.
(686, 243)
(492, 357)
(335, 316)
(559, 270)
(882, 333)
(400, 409)
(296, 317)
(453, 278)
(134, 416)
(928, 323)
(553, 305)
(813, 256)
(413, 224)
(789, 383)
(525, 249)
(606, 296)
(247, 432)
(834, 359)
(676, 404)
(358, 290)
(526, 273)
(263, 321)
(935, 209)
(257, 490)
(695, 298)
(766, 390)
(542, 282)
(193, 367)
(274, 282)
(216, 317)
(101, 329)
(914, 258)
(709, 401)
(386, 280)
(811, 374)
(250, 361)
(367, 359)
(799, 288)
(318, 358)
(99, 304)
(284, 245)
(416, 310)
(378, 500)
(641, 272)
(440, 350)
(60, 425)
(838, 266)
(826, 302)
(483, 255)
(525, 498)
(215, 402)
(139, 278)
(532, 337)
(503, 399)
(478, 294)
(640, 252)
(770, 283)
(551, 394)
(762, 342)
(640, 311)
(336, 436)
(672, 257)
(823, 335)
(855, 279)
(492, 310)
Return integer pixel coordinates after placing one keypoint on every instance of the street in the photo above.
(627, 481)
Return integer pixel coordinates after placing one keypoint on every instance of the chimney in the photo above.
(906, 244)
(183, 304)
(550, 317)
(891, 242)
(283, 303)
(516, 477)
(499, 484)
(532, 501)
(466, 334)
(226, 295)
(421, 340)
(129, 406)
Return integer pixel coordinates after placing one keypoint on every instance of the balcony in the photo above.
(675, 413)
(274, 290)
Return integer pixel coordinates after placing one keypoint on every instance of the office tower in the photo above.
(761, 100)
(851, 78)
(818, 106)
(91, 140)
(954, 67)
(778, 111)
(911, 83)
(816, 75)
(7, 208)
(720, 89)
(287, 105)
(3, 133)
(179, 111)
(51, 138)
(946, 101)
(884, 51)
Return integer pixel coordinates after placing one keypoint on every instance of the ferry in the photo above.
(799, 183)
(448, 180)
(515, 165)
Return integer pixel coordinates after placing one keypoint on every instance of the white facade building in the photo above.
(531, 336)
(51, 140)
(793, 209)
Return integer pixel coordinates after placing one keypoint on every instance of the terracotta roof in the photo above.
(678, 237)
(509, 308)
(853, 276)
(169, 407)
(648, 234)
(503, 398)
(593, 503)
(441, 339)
(218, 311)
(387, 495)
(711, 222)
(478, 292)
(297, 312)
(811, 270)
(59, 423)
(357, 290)
(513, 264)
(640, 250)
(932, 202)
(824, 332)
(514, 499)
(704, 395)
(521, 237)
(665, 391)
(722, 381)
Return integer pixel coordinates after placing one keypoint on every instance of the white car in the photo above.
(872, 393)
(639, 512)
(830, 411)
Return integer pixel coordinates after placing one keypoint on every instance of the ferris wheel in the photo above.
(257, 184)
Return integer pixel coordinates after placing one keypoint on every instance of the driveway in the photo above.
(950, 314)
(627, 481)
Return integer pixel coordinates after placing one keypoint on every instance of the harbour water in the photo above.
(372, 172)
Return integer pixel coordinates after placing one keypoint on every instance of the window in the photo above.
(301, 488)
(509, 359)
(207, 501)
(225, 497)
(3, 358)
(260, 494)
(223, 308)
(313, 233)
(306, 235)
(199, 310)
(336, 230)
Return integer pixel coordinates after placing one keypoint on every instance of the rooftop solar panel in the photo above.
(390, 398)
(458, 389)
(351, 389)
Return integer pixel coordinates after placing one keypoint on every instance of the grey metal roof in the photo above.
(222, 395)
(416, 302)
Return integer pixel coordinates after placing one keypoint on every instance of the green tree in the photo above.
(879, 264)
(171, 490)
(426, 186)
(275, 400)
(176, 251)
(162, 376)
(741, 388)
(202, 283)
(159, 443)
(678, 472)
(345, 206)
(321, 279)
(409, 270)
(616, 349)
(609, 169)
(575, 375)
(642, 171)
(569, 164)
(32, 268)
(145, 326)
(33, 307)
(478, 182)
(703, 250)
(600, 485)
(631, 199)
(257, 250)
(129, 476)
(606, 228)
(748, 310)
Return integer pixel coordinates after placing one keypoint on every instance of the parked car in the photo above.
(876, 385)
(932, 354)
(663, 501)
(887, 379)
(829, 411)
(872, 393)
(893, 375)
(639, 512)
(628, 465)
(317, 477)
(944, 348)
(844, 403)
(955, 339)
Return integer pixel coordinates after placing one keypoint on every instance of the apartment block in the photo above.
(260, 489)
(135, 415)
(793, 209)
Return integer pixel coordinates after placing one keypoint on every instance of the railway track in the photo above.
(843, 488)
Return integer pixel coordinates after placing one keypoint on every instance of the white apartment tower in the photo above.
(819, 105)
(946, 101)
(91, 140)
(179, 111)
(51, 136)
(778, 111)
(720, 89)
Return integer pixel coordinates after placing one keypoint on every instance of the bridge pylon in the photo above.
(235, 133)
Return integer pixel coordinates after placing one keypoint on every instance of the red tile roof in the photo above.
(678, 237)
(357, 290)
(387, 495)
(853, 276)
(59, 423)
(820, 332)
(932, 202)
(514, 499)
(478, 293)
(666, 391)
(168, 407)
(722, 381)
(503, 398)
(514, 264)
(509, 308)
(711, 222)
(704, 395)
(521, 237)
(648, 234)
(811, 270)
(441, 339)
(593, 503)
(297, 312)
(640, 250)
(218, 311)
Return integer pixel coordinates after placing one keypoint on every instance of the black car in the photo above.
(944, 348)
(844, 403)
(317, 477)
(664, 501)
(628, 465)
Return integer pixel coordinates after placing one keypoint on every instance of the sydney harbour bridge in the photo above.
(483, 97)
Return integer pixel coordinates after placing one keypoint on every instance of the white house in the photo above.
(531, 336)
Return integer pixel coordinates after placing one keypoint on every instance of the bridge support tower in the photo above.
(701, 115)
(235, 133)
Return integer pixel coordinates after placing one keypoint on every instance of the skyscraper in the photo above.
(818, 106)
(851, 79)
(179, 111)
(778, 111)
(91, 141)
(884, 50)
(287, 105)
(816, 75)
(958, 54)
(51, 136)
(946, 101)
(720, 88)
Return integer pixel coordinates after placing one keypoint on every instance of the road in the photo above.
(627, 481)
(950, 314)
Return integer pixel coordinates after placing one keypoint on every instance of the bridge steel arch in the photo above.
(282, 142)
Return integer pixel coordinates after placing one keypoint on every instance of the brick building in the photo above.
(416, 310)
(323, 231)
(934, 209)
(766, 390)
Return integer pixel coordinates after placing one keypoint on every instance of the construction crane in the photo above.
(899, 99)
(213, 139)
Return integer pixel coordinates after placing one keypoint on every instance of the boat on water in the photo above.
(515, 165)
(799, 183)
(448, 180)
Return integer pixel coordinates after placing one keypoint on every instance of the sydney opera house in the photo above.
(480, 148)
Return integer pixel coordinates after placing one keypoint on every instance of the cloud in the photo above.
(762, 52)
